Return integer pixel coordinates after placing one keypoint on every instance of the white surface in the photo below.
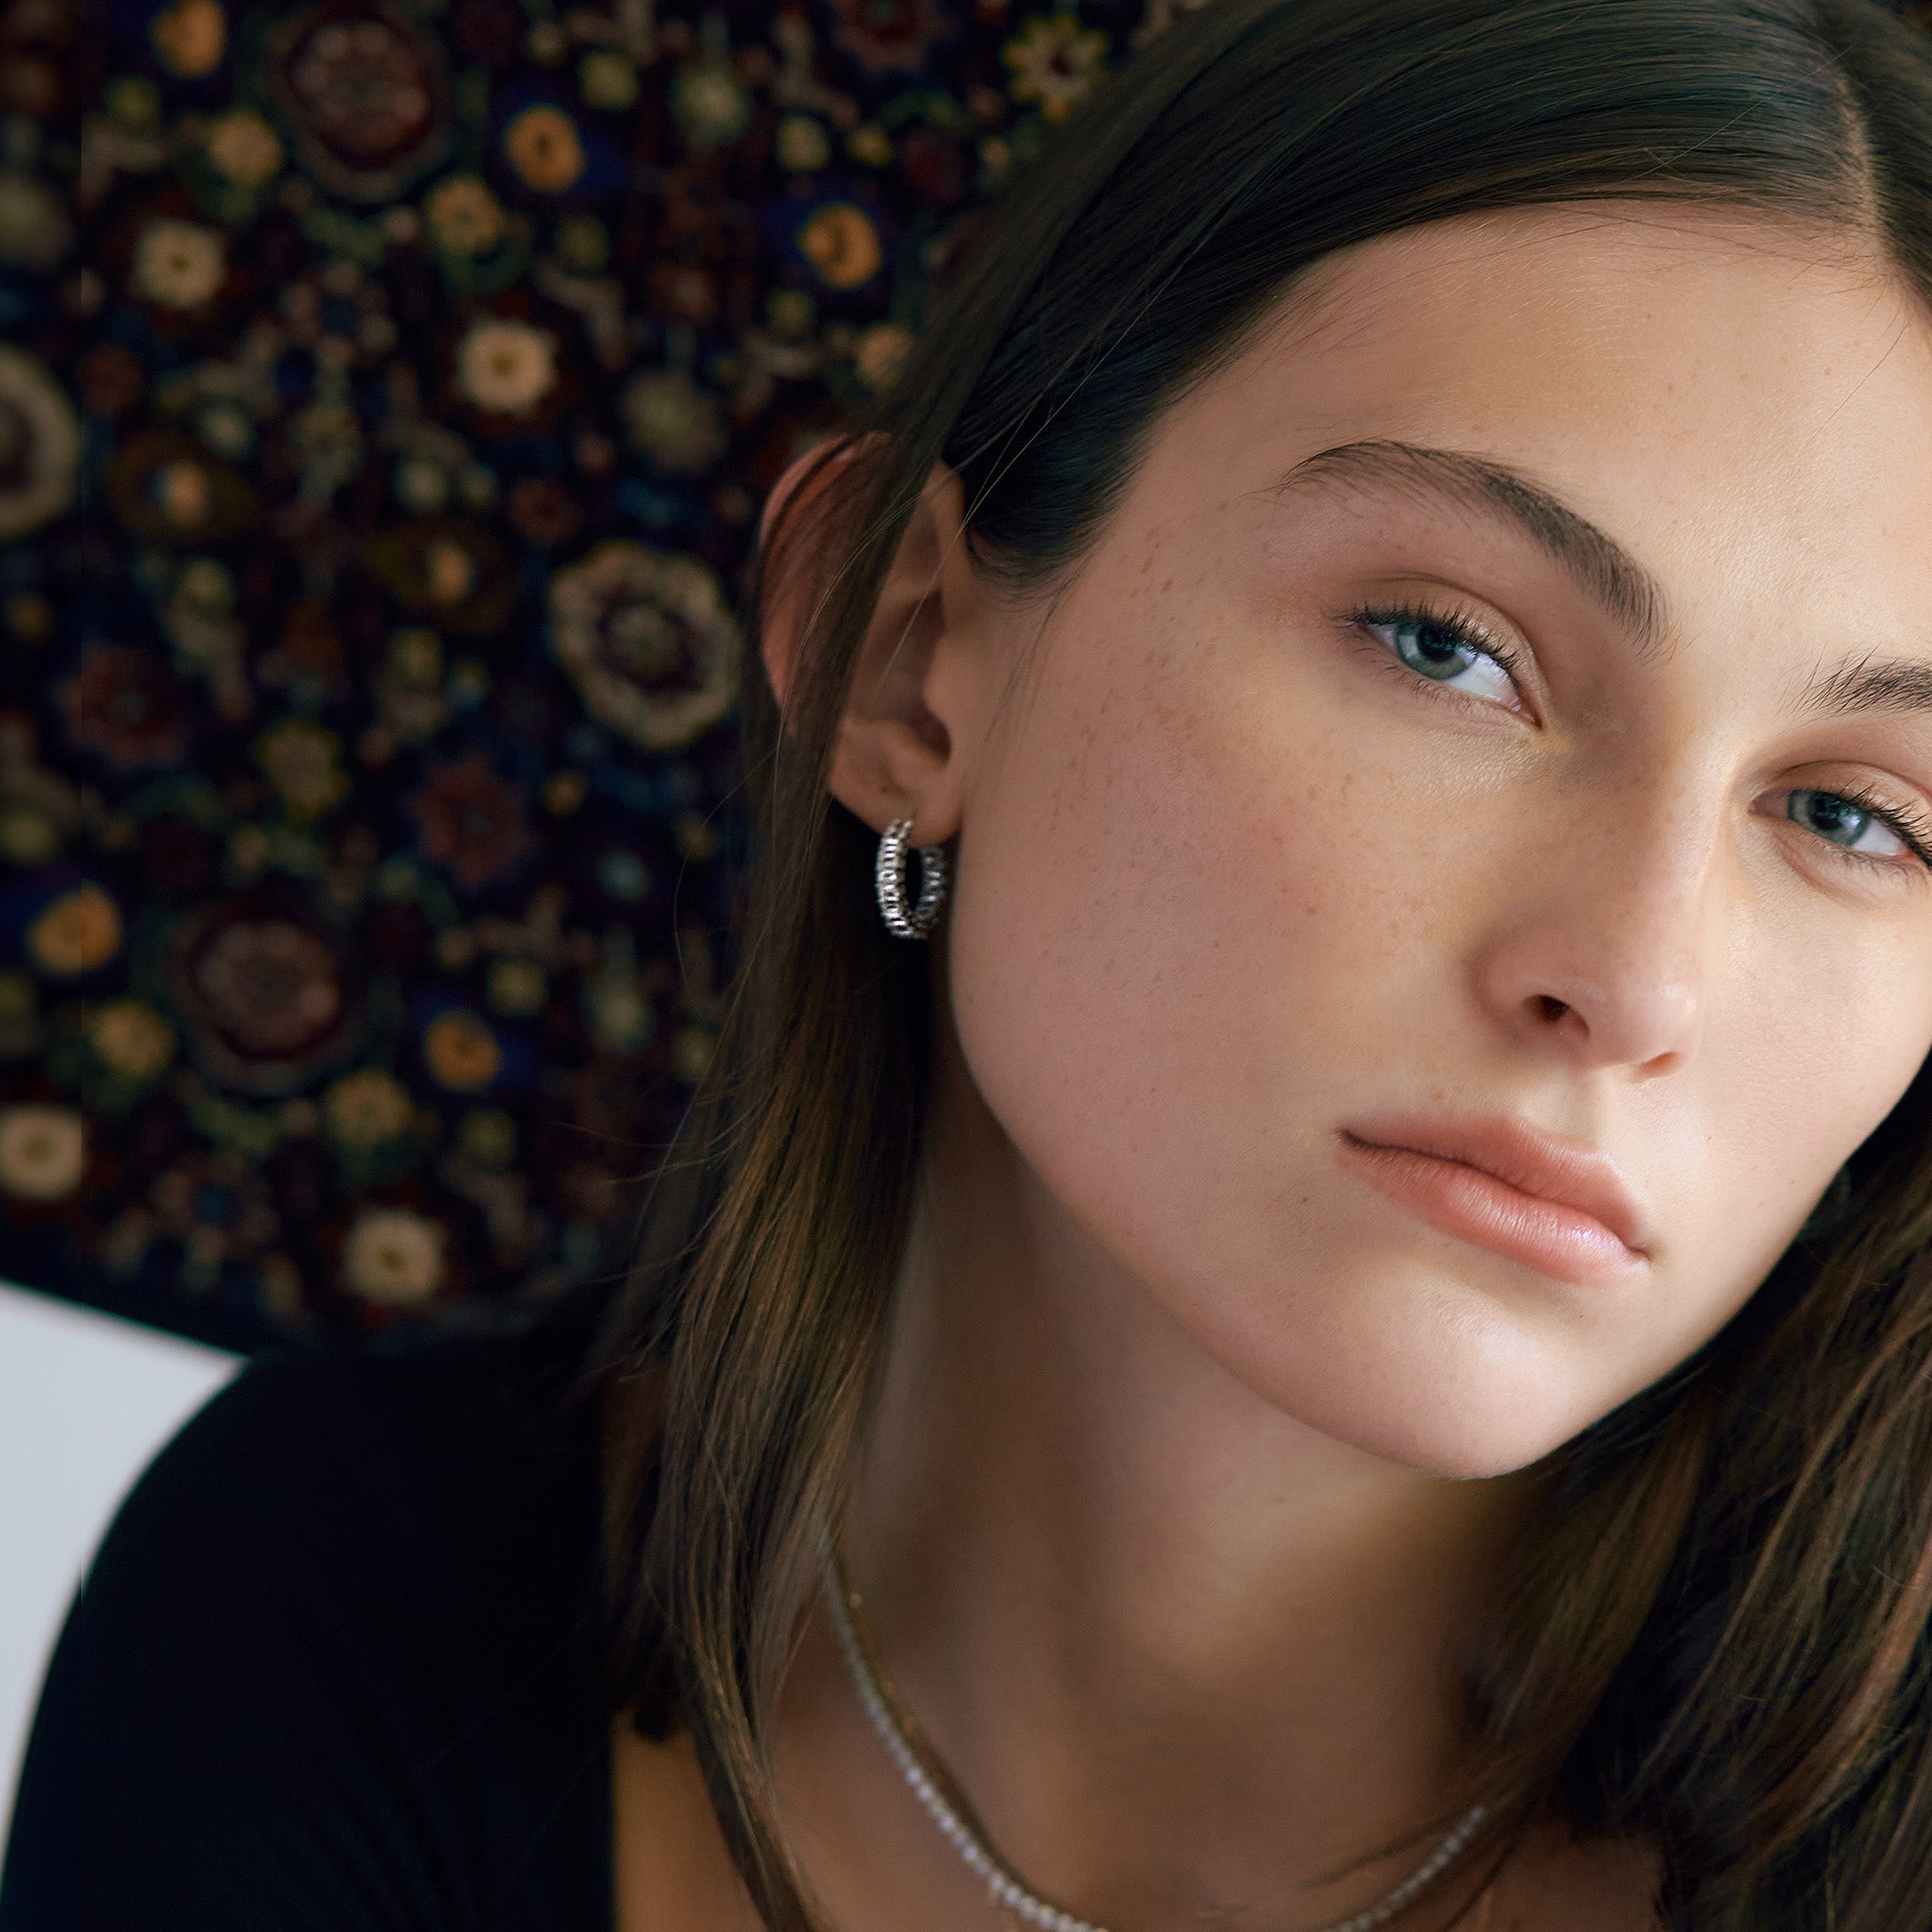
(85, 1400)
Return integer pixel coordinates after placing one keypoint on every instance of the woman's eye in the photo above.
(1845, 823)
(1444, 654)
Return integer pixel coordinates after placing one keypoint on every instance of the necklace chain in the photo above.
(943, 1804)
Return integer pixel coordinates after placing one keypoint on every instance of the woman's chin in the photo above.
(1431, 1376)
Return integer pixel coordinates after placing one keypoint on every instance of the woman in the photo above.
(1330, 1326)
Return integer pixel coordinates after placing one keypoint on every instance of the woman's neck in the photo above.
(1181, 1651)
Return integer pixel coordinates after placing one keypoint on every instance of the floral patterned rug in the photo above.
(387, 392)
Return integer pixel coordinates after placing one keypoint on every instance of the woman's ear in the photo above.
(923, 675)
(926, 678)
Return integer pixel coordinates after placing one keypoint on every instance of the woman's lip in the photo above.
(1559, 1207)
(1570, 1173)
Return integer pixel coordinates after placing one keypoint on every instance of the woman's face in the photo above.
(1495, 722)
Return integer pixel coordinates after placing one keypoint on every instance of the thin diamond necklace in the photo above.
(948, 1809)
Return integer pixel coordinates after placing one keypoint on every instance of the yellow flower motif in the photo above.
(506, 366)
(415, 657)
(790, 312)
(461, 1052)
(130, 1038)
(802, 144)
(190, 37)
(179, 264)
(842, 244)
(35, 231)
(584, 244)
(610, 82)
(134, 101)
(18, 1001)
(298, 758)
(464, 218)
(542, 145)
(488, 1136)
(674, 421)
(244, 147)
(516, 987)
(691, 1053)
(879, 352)
(1056, 61)
(366, 1108)
(28, 835)
(393, 1256)
(43, 1152)
(76, 932)
(619, 1006)
(710, 102)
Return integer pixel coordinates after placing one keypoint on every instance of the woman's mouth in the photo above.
(1555, 1205)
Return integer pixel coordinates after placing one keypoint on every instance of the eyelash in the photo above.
(1910, 827)
(1463, 629)
(1912, 831)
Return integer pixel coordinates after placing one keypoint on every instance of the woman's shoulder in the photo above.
(335, 1658)
(431, 1487)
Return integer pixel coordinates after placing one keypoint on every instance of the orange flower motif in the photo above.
(76, 933)
(542, 145)
(461, 1052)
(190, 37)
(843, 245)
(131, 1039)
(244, 147)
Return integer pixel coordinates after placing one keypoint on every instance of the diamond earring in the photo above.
(889, 872)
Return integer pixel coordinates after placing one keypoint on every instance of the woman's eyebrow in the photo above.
(1600, 564)
(1871, 684)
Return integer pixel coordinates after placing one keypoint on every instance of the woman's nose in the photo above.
(1599, 946)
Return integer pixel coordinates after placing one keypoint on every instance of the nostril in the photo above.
(1549, 1007)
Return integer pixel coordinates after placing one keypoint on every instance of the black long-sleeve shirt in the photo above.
(333, 1666)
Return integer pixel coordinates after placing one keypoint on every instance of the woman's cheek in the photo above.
(1159, 921)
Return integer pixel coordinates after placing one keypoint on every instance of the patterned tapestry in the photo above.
(389, 390)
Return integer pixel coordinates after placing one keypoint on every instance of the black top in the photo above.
(333, 1666)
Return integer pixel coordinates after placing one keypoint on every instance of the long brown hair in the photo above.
(1718, 1637)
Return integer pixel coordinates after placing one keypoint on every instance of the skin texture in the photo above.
(1197, 1456)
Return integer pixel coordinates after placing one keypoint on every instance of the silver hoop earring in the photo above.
(888, 878)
